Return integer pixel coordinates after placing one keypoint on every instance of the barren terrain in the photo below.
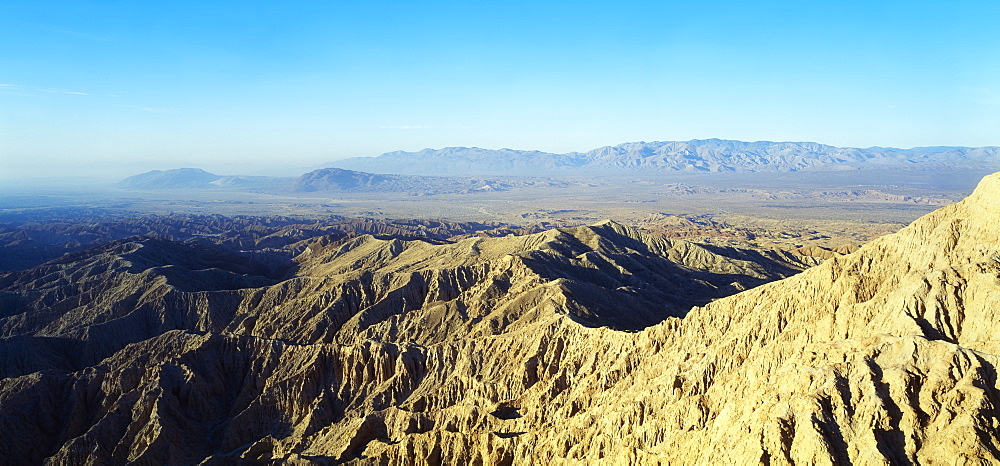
(635, 321)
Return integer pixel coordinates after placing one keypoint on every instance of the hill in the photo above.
(179, 178)
(335, 179)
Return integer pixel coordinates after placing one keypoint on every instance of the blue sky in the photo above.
(265, 87)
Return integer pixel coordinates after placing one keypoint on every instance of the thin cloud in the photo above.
(28, 91)
(70, 32)
(31, 91)
(14, 89)
(64, 91)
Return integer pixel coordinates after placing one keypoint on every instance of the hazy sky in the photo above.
(266, 85)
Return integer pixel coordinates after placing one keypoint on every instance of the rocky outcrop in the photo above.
(567, 345)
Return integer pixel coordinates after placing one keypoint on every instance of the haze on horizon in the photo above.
(91, 88)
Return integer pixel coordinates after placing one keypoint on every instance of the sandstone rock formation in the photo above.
(567, 345)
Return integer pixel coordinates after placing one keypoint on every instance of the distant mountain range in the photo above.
(695, 156)
(464, 169)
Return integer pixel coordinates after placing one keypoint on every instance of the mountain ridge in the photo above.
(694, 156)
